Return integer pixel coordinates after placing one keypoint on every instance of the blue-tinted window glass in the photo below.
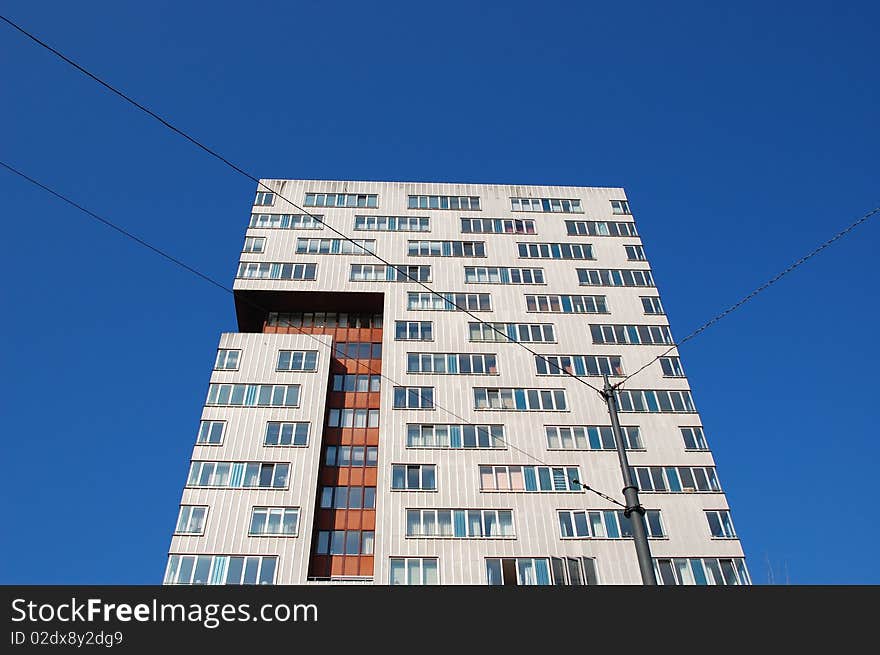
(611, 525)
(531, 482)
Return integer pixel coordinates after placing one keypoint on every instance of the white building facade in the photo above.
(361, 428)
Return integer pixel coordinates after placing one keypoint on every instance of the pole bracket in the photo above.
(629, 509)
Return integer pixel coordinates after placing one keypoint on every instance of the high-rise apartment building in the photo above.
(361, 426)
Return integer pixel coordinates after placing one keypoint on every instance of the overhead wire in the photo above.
(712, 321)
(263, 310)
(213, 153)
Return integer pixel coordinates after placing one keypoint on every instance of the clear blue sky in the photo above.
(744, 134)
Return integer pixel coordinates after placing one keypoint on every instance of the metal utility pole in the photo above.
(634, 510)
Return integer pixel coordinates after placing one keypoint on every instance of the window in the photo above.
(702, 571)
(519, 399)
(348, 497)
(606, 524)
(345, 542)
(448, 302)
(414, 477)
(220, 569)
(357, 456)
(235, 475)
(357, 350)
(455, 436)
(413, 397)
(600, 229)
(655, 401)
(671, 367)
(274, 521)
(547, 205)
(555, 250)
(657, 335)
(460, 523)
(287, 221)
(530, 478)
(503, 275)
(286, 433)
(446, 248)
(357, 383)
(497, 226)
(393, 273)
(227, 360)
(591, 437)
(557, 571)
(392, 223)
(578, 365)
(276, 271)
(694, 438)
(324, 319)
(651, 305)
(297, 360)
(191, 519)
(614, 277)
(567, 304)
(253, 395)
(620, 207)
(452, 363)
(353, 418)
(413, 331)
(465, 203)
(720, 524)
(254, 244)
(342, 200)
(676, 479)
(635, 253)
(264, 199)
(335, 246)
(210, 433)
(414, 571)
(516, 332)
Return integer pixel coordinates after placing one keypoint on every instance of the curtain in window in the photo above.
(218, 570)
(526, 569)
(460, 525)
(493, 572)
(542, 571)
(531, 481)
(559, 481)
(475, 524)
(412, 523)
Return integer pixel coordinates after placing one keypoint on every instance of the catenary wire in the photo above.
(712, 321)
(229, 290)
(210, 151)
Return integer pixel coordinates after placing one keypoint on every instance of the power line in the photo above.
(174, 260)
(712, 321)
(260, 183)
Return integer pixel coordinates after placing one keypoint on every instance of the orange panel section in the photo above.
(340, 399)
(352, 566)
(354, 477)
(340, 519)
(368, 519)
(337, 566)
(366, 565)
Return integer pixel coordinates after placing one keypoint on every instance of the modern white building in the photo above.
(362, 427)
